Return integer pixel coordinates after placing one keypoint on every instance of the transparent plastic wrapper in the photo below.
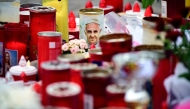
(133, 65)
(178, 88)
(9, 11)
(114, 24)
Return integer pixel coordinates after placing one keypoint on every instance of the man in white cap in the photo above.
(92, 31)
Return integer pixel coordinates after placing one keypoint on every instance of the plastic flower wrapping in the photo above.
(75, 46)
(16, 97)
(177, 42)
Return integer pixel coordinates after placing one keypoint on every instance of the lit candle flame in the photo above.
(28, 63)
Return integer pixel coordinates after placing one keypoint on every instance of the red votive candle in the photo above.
(53, 71)
(24, 17)
(115, 95)
(76, 72)
(95, 83)
(97, 55)
(117, 4)
(49, 47)
(2, 50)
(63, 94)
(112, 44)
(25, 12)
(15, 43)
(41, 19)
(27, 6)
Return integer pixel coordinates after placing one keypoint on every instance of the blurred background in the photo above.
(75, 5)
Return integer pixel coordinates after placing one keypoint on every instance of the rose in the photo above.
(71, 43)
(74, 49)
(173, 35)
(83, 46)
(65, 47)
(76, 41)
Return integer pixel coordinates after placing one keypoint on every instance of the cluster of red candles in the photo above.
(24, 40)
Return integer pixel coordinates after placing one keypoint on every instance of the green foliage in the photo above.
(146, 3)
(182, 51)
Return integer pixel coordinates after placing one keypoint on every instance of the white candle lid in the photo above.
(28, 70)
(63, 89)
(131, 13)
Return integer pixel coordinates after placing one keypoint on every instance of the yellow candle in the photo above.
(187, 3)
(61, 15)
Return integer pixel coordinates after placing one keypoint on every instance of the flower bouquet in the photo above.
(177, 42)
(75, 46)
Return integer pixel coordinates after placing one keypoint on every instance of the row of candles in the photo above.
(90, 81)
(21, 40)
(74, 82)
(27, 45)
(95, 88)
(47, 46)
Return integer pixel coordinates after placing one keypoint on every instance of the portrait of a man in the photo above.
(92, 31)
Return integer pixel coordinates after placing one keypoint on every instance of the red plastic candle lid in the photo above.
(128, 7)
(151, 9)
(88, 4)
(71, 14)
(136, 7)
(148, 11)
(102, 4)
(72, 22)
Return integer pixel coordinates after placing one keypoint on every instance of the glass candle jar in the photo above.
(53, 71)
(15, 43)
(63, 94)
(41, 19)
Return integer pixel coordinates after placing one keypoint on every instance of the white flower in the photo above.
(77, 41)
(86, 46)
(65, 47)
(82, 41)
(71, 42)
(83, 45)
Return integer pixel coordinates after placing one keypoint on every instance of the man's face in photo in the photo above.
(92, 32)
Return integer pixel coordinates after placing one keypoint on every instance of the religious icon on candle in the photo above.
(91, 25)
(11, 57)
(92, 31)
